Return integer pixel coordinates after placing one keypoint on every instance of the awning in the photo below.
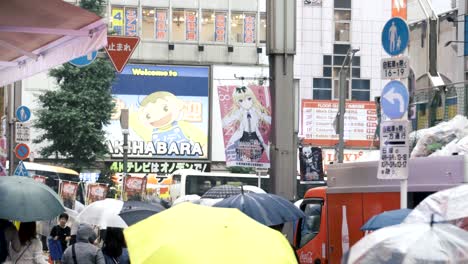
(38, 35)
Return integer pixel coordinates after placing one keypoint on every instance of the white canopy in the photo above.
(38, 35)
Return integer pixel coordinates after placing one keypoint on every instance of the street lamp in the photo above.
(342, 103)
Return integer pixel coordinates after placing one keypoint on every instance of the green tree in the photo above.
(95, 6)
(72, 117)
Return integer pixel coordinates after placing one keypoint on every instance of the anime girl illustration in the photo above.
(247, 114)
(160, 118)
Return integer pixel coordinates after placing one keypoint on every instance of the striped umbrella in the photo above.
(268, 209)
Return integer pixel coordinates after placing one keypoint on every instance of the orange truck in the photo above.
(335, 214)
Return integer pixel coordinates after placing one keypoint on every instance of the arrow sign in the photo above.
(120, 50)
(395, 99)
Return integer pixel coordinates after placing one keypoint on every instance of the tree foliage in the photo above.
(95, 6)
(72, 117)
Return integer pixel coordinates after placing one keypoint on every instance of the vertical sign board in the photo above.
(394, 150)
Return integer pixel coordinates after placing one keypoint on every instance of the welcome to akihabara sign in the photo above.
(168, 112)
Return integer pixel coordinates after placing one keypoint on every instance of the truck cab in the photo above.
(354, 195)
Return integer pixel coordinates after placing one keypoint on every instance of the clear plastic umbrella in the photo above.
(412, 243)
(447, 205)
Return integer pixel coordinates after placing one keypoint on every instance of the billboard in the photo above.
(310, 163)
(246, 122)
(168, 112)
(318, 119)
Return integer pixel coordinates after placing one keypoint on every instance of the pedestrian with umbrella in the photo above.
(30, 250)
(115, 248)
(83, 250)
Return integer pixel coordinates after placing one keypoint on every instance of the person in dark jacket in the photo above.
(85, 252)
(115, 248)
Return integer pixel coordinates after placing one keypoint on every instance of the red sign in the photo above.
(22, 151)
(120, 50)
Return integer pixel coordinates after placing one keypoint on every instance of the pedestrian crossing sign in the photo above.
(21, 170)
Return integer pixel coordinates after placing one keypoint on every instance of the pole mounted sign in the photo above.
(22, 151)
(394, 151)
(395, 36)
(23, 113)
(120, 49)
(84, 60)
(394, 100)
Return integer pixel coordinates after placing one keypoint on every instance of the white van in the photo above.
(186, 182)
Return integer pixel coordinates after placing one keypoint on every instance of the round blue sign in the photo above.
(84, 60)
(394, 99)
(23, 114)
(395, 36)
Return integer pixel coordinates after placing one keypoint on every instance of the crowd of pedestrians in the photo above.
(23, 245)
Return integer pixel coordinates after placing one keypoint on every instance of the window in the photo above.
(342, 31)
(322, 88)
(124, 21)
(184, 25)
(342, 15)
(310, 225)
(262, 27)
(336, 89)
(360, 90)
(148, 23)
(342, 4)
(327, 60)
(341, 48)
(213, 26)
(243, 28)
(154, 24)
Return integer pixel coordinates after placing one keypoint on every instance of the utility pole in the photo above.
(342, 103)
(124, 126)
(281, 48)
(14, 101)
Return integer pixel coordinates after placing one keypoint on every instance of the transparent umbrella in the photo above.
(412, 243)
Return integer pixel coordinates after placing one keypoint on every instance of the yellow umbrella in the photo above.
(190, 233)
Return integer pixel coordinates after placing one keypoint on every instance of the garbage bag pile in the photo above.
(444, 139)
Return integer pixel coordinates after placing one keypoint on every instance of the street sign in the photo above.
(22, 151)
(394, 100)
(21, 170)
(84, 60)
(394, 150)
(22, 132)
(395, 36)
(120, 50)
(23, 113)
(395, 68)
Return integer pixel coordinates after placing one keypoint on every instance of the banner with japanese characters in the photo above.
(220, 27)
(249, 29)
(311, 163)
(118, 20)
(134, 187)
(159, 167)
(67, 191)
(191, 26)
(161, 24)
(39, 178)
(168, 112)
(131, 28)
(246, 122)
(95, 192)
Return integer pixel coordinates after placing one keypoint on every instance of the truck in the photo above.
(336, 213)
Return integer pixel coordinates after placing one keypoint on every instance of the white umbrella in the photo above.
(104, 213)
(79, 206)
(412, 243)
(447, 205)
(186, 198)
(207, 201)
(253, 189)
(72, 222)
(298, 203)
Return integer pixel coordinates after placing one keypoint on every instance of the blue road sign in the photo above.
(394, 99)
(23, 114)
(21, 170)
(84, 60)
(395, 36)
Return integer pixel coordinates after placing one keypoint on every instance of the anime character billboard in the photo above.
(311, 163)
(246, 121)
(168, 112)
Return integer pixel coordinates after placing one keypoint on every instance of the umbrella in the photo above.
(207, 201)
(298, 203)
(388, 218)
(103, 213)
(268, 209)
(186, 198)
(135, 211)
(195, 234)
(252, 189)
(26, 200)
(221, 191)
(79, 206)
(412, 243)
(446, 205)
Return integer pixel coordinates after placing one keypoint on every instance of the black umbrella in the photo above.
(136, 211)
(221, 191)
